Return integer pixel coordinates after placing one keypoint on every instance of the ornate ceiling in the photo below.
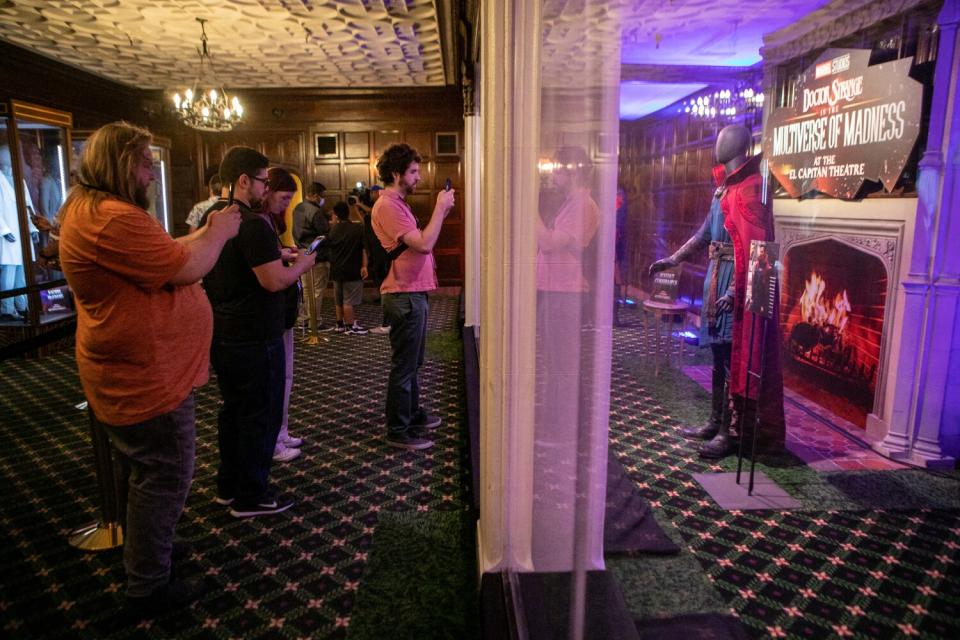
(151, 44)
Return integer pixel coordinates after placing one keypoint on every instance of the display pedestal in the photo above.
(730, 494)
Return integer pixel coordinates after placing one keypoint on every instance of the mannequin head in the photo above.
(733, 142)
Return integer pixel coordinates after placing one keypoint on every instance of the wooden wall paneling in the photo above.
(354, 173)
(383, 139)
(329, 175)
(422, 141)
(356, 145)
(428, 175)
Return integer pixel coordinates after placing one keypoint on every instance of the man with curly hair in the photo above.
(404, 291)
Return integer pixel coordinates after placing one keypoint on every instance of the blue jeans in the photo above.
(160, 454)
(251, 378)
(406, 313)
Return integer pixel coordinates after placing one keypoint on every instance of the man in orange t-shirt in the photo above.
(135, 289)
(404, 292)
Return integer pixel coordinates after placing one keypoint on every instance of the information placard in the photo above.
(850, 122)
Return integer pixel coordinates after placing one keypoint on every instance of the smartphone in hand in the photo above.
(315, 244)
(447, 185)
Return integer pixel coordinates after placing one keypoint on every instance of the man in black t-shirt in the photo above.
(246, 290)
(348, 268)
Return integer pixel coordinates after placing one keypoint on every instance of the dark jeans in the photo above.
(406, 313)
(160, 454)
(251, 380)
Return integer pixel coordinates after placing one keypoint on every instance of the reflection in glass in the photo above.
(157, 192)
(574, 238)
(12, 308)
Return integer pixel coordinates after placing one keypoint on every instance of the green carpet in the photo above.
(420, 581)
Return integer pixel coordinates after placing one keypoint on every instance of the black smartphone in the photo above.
(447, 185)
(316, 243)
(230, 196)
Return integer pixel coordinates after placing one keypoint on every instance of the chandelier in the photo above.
(207, 107)
(741, 103)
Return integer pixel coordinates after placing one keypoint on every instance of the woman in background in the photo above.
(281, 188)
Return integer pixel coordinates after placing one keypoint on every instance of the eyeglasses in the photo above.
(263, 180)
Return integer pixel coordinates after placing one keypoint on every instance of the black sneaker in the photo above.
(413, 440)
(173, 595)
(262, 508)
(356, 330)
(428, 422)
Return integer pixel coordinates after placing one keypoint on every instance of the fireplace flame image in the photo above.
(816, 312)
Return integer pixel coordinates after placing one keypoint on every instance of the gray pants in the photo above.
(160, 453)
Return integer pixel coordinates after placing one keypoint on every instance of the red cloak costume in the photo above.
(747, 216)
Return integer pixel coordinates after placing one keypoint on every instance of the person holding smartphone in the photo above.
(247, 290)
(404, 292)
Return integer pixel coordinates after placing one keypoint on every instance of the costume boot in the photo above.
(712, 427)
(718, 398)
(723, 443)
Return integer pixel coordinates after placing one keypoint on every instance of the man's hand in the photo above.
(305, 259)
(41, 223)
(445, 201)
(725, 303)
(363, 273)
(661, 265)
(225, 222)
(289, 255)
(9, 237)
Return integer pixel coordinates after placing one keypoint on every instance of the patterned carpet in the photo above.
(293, 575)
(803, 574)
(873, 573)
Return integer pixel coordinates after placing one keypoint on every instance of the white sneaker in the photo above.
(380, 330)
(292, 442)
(283, 453)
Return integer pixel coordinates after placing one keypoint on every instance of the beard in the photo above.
(255, 204)
(140, 197)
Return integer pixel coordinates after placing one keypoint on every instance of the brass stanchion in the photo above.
(107, 533)
(313, 337)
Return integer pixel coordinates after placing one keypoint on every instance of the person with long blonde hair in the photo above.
(135, 287)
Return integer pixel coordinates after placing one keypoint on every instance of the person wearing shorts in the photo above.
(348, 268)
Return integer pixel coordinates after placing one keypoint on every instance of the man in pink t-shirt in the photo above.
(404, 291)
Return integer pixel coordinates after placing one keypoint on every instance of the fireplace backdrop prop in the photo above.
(833, 313)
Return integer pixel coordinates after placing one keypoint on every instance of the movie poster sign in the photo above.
(850, 122)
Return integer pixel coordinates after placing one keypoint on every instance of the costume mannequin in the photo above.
(747, 216)
(11, 256)
(716, 322)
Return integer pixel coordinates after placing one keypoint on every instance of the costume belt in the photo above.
(719, 252)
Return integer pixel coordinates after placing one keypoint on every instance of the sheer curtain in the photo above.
(549, 111)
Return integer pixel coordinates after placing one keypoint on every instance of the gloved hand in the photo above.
(725, 304)
(661, 265)
(9, 237)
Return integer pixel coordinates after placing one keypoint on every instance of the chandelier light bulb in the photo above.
(189, 95)
(226, 113)
(205, 111)
(213, 95)
(176, 100)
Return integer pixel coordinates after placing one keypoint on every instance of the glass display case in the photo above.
(34, 179)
